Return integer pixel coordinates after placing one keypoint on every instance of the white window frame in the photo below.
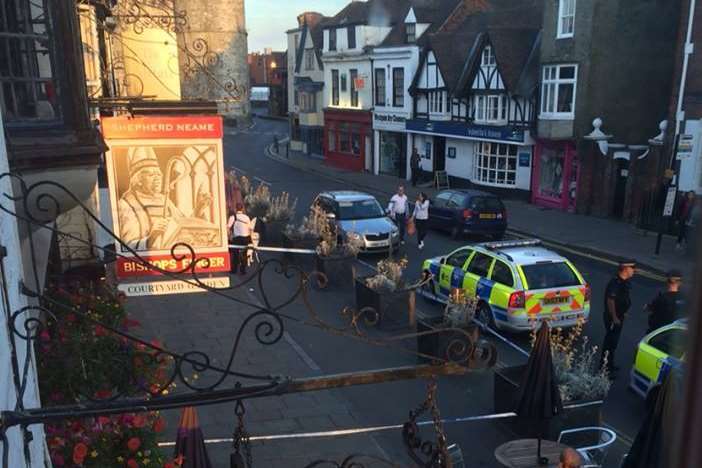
(438, 103)
(495, 158)
(309, 59)
(484, 103)
(489, 55)
(550, 89)
(564, 16)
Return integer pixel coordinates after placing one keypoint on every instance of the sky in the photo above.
(267, 20)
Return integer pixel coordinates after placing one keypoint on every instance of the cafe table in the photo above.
(521, 453)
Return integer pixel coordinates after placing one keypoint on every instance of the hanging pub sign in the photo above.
(166, 178)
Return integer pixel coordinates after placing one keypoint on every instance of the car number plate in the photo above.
(555, 300)
(488, 216)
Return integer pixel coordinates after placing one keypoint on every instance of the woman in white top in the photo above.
(421, 217)
(240, 228)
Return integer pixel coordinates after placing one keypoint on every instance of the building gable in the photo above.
(430, 76)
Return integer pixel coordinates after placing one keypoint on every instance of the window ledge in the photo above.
(564, 36)
(556, 116)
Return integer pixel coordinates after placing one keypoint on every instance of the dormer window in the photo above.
(488, 57)
(332, 39)
(411, 32)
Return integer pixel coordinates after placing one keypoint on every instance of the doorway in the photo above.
(439, 154)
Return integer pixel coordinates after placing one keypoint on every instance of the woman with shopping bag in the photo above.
(420, 218)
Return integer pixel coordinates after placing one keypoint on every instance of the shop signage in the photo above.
(685, 142)
(670, 201)
(524, 159)
(161, 288)
(463, 130)
(166, 181)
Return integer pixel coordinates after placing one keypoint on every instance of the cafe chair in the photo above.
(593, 455)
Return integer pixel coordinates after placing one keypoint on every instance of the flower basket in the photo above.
(506, 393)
(337, 268)
(395, 309)
(304, 261)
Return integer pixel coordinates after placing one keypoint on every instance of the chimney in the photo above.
(311, 18)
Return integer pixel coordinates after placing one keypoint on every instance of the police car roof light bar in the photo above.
(514, 243)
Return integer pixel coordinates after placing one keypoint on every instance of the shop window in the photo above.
(344, 138)
(335, 87)
(551, 168)
(27, 79)
(331, 139)
(356, 140)
(398, 87)
(495, 164)
(558, 91)
(380, 87)
(353, 75)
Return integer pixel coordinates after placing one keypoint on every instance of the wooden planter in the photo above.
(305, 261)
(337, 269)
(506, 393)
(437, 344)
(274, 234)
(395, 309)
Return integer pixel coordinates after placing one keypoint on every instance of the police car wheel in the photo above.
(484, 315)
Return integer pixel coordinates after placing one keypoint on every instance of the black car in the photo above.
(468, 212)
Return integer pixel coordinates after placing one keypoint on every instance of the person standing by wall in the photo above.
(617, 302)
(421, 218)
(684, 218)
(415, 166)
(398, 211)
(240, 228)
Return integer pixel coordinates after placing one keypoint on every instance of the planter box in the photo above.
(506, 393)
(305, 261)
(338, 270)
(274, 234)
(396, 309)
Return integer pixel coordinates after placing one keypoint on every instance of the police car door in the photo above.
(476, 282)
(451, 274)
(653, 351)
(502, 280)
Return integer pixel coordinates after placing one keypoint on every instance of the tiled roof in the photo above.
(432, 12)
(373, 12)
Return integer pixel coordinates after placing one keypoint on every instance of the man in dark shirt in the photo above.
(617, 302)
(667, 306)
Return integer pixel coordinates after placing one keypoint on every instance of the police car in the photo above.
(518, 283)
(657, 353)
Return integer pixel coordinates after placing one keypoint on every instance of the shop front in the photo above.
(390, 143)
(555, 175)
(348, 139)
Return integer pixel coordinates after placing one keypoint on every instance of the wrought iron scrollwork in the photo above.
(426, 453)
(141, 15)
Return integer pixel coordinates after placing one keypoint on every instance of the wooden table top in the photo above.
(521, 453)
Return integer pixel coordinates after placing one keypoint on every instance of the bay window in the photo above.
(495, 164)
(558, 87)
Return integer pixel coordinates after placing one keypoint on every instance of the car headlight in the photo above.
(354, 235)
(395, 232)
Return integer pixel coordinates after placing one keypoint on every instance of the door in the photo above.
(654, 352)
(620, 176)
(502, 288)
(439, 211)
(476, 282)
(451, 273)
(439, 154)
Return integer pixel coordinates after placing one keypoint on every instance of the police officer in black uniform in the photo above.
(617, 302)
(668, 305)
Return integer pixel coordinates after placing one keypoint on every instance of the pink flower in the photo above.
(133, 444)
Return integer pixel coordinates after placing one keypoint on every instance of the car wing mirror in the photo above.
(331, 216)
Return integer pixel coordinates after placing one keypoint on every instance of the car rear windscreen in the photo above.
(549, 275)
(486, 204)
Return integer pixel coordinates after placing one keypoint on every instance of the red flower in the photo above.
(131, 463)
(103, 394)
(100, 330)
(79, 453)
(139, 421)
(178, 460)
(133, 444)
(159, 425)
(168, 465)
(44, 335)
(130, 323)
(104, 420)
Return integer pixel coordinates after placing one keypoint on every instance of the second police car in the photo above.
(518, 284)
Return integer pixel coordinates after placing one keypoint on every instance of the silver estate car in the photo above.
(360, 215)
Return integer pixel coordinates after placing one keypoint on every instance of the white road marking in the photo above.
(301, 353)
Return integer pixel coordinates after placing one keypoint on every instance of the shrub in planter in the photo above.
(78, 359)
(304, 236)
(280, 211)
(580, 380)
(335, 258)
(385, 294)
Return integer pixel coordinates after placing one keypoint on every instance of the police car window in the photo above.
(441, 200)
(457, 201)
(502, 274)
(549, 275)
(458, 259)
(671, 342)
(480, 264)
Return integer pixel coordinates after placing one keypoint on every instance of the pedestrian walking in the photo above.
(617, 302)
(668, 305)
(240, 228)
(421, 218)
(415, 166)
(398, 211)
(684, 218)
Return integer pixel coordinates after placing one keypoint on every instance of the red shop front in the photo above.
(554, 179)
(348, 139)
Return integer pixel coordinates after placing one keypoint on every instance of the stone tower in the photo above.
(212, 55)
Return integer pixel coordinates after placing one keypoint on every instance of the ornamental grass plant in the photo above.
(389, 275)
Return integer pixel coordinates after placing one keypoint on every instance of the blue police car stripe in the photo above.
(484, 289)
(457, 278)
(500, 313)
(434, 269)
(641, 381)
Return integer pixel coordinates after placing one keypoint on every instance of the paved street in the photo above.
(206, 323)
